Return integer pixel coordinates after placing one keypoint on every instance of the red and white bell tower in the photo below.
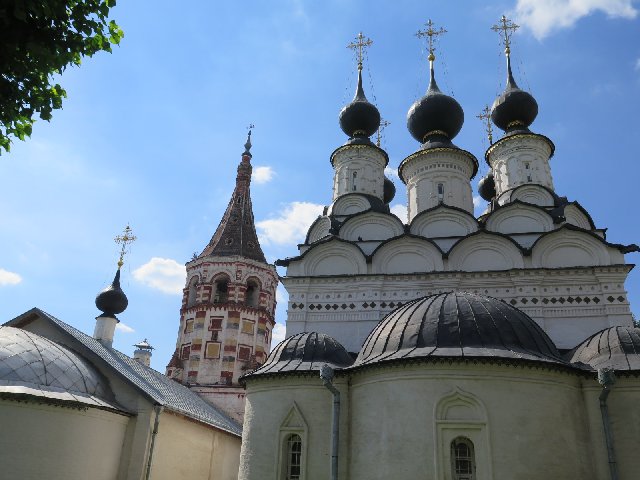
(228, 305)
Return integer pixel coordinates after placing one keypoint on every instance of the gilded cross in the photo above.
(485, 117)
(383, 124)
(126, 238)
(361, 42)
(430, 32)
(505, 29)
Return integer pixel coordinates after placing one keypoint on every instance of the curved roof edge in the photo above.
(516, 135)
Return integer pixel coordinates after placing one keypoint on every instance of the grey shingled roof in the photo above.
(159, 388)
(615, 347)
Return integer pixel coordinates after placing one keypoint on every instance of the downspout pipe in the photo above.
(327, 374)
(606, 378)
(158, 409)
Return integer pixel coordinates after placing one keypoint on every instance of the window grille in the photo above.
(293, 469)
(462, 459)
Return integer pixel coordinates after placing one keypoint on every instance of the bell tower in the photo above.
(228, 305)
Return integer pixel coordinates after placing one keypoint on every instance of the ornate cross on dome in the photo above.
(361, 42)
(383, 125)
(505, 29)
(126, 238)
(485, 117)
(430, 32)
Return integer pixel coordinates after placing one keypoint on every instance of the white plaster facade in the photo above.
(358, 168)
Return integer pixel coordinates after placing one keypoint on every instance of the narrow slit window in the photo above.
(440, 192)
(294, 458)
(354, 178)
(462, 459)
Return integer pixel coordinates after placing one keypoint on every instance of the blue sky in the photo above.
(152, 134)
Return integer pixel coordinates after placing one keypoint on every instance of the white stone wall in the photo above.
(519, 160)
(426, 169)
(358, 169)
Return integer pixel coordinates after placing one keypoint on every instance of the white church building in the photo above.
(449, 347)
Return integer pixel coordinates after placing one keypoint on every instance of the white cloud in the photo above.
(477, 201)
(290, 227)
(400, 211)
(544, 17)
(278, 334)
(391, 172)
(163, 274)
(9, 278)
(262, 174)
(282, 297)
(124, 328)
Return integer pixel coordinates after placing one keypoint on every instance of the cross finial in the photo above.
(485, 117)
(383, 124)
(361, 42)
(247, 145)
(430, 32)
(505, 29)
(125, 239)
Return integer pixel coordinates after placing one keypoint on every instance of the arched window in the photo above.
(354, 177)
(440, 192)
(463, 464)
(221, 289)
(293, 460)
(192, 293)
(252, 294)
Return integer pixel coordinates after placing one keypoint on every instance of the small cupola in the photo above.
(359, 119)
(142, 353)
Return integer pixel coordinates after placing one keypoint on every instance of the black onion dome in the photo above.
(436, 116)
(461, 325)
(617, 348)
(487, 187)
(359, 119)
(514, 109)
(389, 191)
(112, 300)
(304, 352)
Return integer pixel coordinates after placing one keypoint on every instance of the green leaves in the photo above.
(37, 40)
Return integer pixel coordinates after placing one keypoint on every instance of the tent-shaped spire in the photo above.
(236, 234)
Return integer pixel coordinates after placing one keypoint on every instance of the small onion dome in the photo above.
(112, 300)
(457, 325)
(359, 119)
(305, 352)
(389, 191)
(617, 348)
(515, 109)
(436, 117)
(487, 187)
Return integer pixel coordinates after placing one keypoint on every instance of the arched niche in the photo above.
(371, 226)
(569, 248)
(220, 288)
(575, 216)
(534, 194)
(334, 258)
(319, 229)
(252, 292)
(519, 218)
(350, 205)
(407, 255)
(443, 222)
(485, 251)
(192, 290)
(460, 406)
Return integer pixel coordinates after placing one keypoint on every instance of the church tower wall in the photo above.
(358, 169)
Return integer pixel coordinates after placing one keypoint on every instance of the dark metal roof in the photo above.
(457, 324)
(304, 352)
(514, 108)
(156, 386)
(616, 347)
(112, 300)
(236, 234)
(359, 119)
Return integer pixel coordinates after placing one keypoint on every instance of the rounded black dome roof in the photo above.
(389, 190)
(112, 300)
(306, 351)
(457, 324)
(514, 109)
(359, 119)
(616, 347)
(436, 116)
(487, 187)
